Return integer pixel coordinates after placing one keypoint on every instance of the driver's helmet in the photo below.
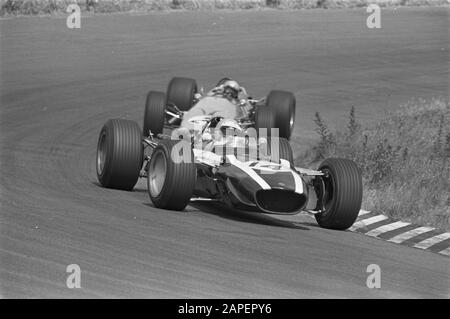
(228, 126)
(231, 89)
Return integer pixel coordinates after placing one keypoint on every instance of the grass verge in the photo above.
(405, 160)
(40, 7)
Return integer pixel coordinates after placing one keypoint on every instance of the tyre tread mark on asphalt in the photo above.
(412, 235)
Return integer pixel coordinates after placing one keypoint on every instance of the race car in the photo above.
(166, 110)
(221, 161)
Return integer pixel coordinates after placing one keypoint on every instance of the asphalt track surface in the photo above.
(58, 86)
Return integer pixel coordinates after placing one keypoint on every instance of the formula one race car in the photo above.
(277, 110)
(222, 162)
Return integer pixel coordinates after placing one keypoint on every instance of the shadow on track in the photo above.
(223, 211)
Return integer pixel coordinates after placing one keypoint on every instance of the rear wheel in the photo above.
(283, 104)
(264, 121)
(341, 191)
(119, 154)
(155, 106)
(171, 175)
(181, 92)
(284, 149)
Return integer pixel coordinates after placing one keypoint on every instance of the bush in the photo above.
(33, 7)
(273, 3)
(405, 160)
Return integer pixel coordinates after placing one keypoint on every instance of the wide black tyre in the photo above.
(171, 175)
(284, 149)
(342, 195)
(154, 113)
(119, 154)
(181, 92)
(264, 120)
(283, 104)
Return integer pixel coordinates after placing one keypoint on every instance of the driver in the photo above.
(228, 89)
(223, 100)
(222, 134)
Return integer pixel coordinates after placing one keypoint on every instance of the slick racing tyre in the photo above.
(341, 192)
(119, 154)
(171, 175)
(264, 121)
(283, 104)
(154, 113)
(284, 149)
(181, 92)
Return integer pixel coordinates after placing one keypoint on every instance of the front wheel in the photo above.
(341, 191)
(181, 92)
(119, 154)
(171, 175)
(154, 113)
